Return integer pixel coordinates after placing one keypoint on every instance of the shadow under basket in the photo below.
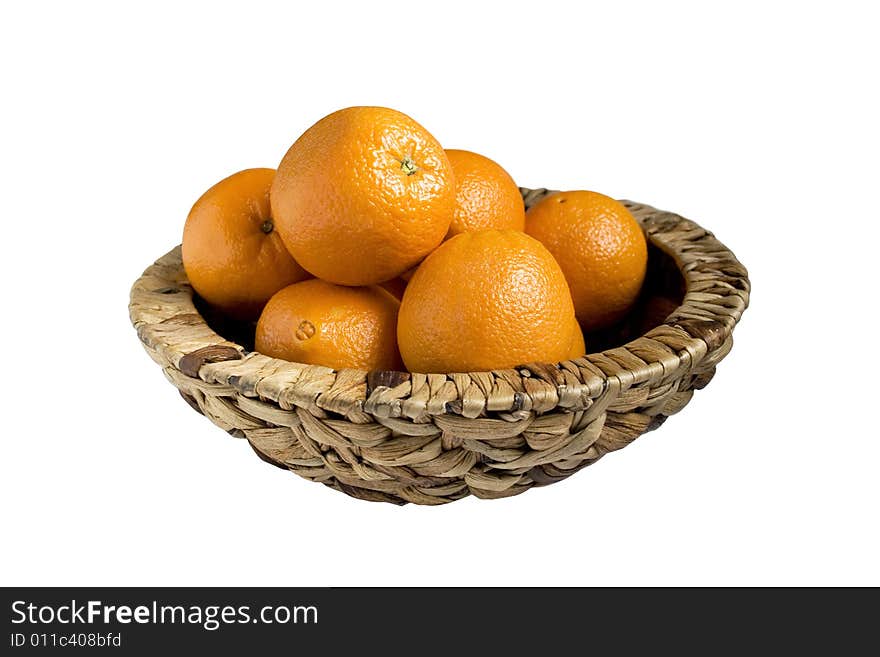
(433, 438)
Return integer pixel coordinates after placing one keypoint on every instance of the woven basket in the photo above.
(430, 439)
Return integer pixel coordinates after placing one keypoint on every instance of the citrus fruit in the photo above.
(486, 300)
(577, 346)
(600, 247)
(233, 256)
(320, 323)
(485, 195)
(363, 195)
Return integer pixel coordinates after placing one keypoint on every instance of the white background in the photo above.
(759, 121)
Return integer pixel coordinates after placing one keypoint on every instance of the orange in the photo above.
(485, 195)
(320, 323)
(577, 346)
(485, 300)
(600, 247)
(232, 255)
(363, 195)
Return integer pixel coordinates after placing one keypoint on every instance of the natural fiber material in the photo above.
(430, 439)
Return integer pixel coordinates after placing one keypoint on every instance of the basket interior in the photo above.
(662, 292)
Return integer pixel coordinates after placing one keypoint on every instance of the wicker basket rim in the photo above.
(161, 308)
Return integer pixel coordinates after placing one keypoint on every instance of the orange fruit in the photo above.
(363, 195)
(577, 346)
(485, 195)
(600, 247)
(320, 323)
(232, 255)
(485, 300)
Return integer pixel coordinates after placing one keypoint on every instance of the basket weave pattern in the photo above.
(430, 439)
